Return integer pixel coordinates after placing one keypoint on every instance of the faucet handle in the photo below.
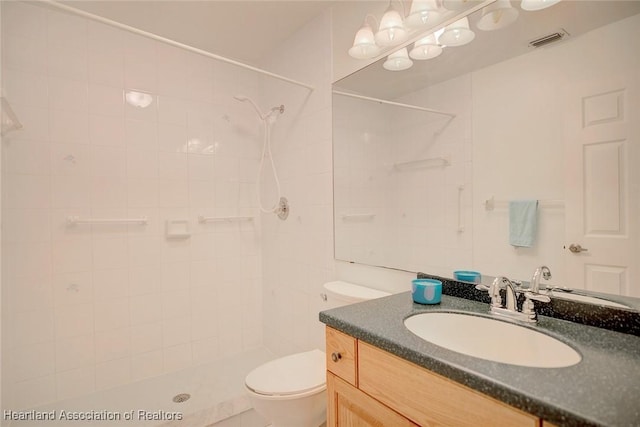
(482, 287)
(537, 297)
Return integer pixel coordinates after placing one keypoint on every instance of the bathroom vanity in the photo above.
(379, 373)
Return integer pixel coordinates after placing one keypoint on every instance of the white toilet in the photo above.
(290, 391)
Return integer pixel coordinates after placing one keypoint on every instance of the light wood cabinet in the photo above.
(382, 390)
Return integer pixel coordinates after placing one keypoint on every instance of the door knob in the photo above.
(577, 248)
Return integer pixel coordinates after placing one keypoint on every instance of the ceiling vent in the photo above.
(549, 38)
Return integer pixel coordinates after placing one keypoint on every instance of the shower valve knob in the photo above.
(335, 356)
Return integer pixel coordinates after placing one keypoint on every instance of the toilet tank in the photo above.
(342, 293)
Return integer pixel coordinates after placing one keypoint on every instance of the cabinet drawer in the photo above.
(341, 355)
(427, 398)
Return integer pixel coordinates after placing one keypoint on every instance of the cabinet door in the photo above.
(349, 407)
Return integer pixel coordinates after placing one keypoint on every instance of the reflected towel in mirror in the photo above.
(522, 222)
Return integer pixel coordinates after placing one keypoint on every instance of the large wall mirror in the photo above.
(423, 182)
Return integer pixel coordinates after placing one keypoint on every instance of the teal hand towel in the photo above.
(522, 222)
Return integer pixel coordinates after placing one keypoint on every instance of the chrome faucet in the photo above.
(535, 280)
(510, 307)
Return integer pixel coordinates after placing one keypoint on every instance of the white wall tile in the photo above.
(25, 53)
(26, 88)
(73, 353)
(106, 130)
(35, 392)
(113, 373)
(29, 192)
(68, 127)
(75, 382)
(73, 288)
(35, 124)
(33, 361)
(24, 20)
(113, 344)
(105, 55)
(106, 100)
(146, 308)
(74, 320)
(140, 65)
(146, 365)
(144, 280)
(68, 95)
(112, 283)
(112, 314)
(177, 357)
(176, 304)
(72, 255)
(140, 133)
(146, 337)
(176, 331)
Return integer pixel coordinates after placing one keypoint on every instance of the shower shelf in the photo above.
(204, 219)
(76, 220)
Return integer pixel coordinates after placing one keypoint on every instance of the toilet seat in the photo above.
(300, 373)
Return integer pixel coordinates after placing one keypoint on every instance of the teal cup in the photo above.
(426, 291)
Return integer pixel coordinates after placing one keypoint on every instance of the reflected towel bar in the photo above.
(491, 204)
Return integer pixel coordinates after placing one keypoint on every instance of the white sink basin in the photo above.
(491, 339)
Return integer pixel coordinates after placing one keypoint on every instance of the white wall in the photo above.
(92, 307)
(298, 253)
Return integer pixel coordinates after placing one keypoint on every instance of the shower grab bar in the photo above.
(204, 219)
(358, 216)
(433, 161)
(76, 220)
(491, 204)
(153, 36)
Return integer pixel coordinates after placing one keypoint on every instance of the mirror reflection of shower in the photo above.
(281, 206)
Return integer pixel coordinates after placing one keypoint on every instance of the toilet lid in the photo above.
(287, 375)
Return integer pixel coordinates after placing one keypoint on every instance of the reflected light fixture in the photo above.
(392, 30)
(138, 99)
(457, 34)
(426, 48)
(532, 5)
(364, 45)
(398, 60)
(497, 15)
(422, 12)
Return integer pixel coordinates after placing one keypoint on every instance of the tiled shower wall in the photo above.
(93, 306)
(297, 254)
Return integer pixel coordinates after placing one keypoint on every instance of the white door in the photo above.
(602, 137)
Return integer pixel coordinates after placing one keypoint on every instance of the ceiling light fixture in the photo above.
(426, 48)
(422, 12)
(497, 15)
(532, 5)
(364, 44)
(392, 30)
(457, 34)
(398, 60)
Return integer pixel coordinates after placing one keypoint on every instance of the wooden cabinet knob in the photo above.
(335, 356)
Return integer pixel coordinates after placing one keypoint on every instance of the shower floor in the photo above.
(216, 393)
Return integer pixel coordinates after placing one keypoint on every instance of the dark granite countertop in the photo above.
(602, 390)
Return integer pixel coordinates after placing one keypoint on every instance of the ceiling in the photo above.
(249, 30)
(242, 30)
